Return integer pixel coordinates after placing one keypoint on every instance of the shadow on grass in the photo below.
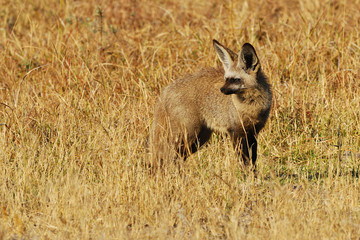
(286, 176)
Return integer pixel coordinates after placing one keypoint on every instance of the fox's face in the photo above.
(240, 69)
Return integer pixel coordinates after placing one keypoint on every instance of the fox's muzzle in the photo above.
(227, 91)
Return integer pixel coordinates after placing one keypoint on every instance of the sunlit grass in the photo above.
(78, 82)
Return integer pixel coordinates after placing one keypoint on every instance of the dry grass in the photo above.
(78, 82)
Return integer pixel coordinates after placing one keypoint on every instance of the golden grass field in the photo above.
(78, 83)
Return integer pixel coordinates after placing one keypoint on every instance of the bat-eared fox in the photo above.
(235, 99)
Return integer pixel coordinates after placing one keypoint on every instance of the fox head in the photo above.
(240, 69)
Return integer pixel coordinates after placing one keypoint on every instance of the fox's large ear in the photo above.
(248, 58)
(225, 55)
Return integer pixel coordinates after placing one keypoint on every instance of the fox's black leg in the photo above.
(195, 143)
(249, 149)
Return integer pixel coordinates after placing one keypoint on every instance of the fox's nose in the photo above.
(222, 90)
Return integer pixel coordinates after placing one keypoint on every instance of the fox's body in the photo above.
(192, 107)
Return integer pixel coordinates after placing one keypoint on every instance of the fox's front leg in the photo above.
(249, 149)
(246, 147)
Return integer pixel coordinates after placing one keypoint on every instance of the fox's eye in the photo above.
(233, 80)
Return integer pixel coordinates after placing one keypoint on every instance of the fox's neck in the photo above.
(247, 96)
(253, 98)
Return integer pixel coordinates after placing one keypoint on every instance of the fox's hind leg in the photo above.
(162, 139)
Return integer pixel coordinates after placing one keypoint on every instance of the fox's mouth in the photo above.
(228, 91)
